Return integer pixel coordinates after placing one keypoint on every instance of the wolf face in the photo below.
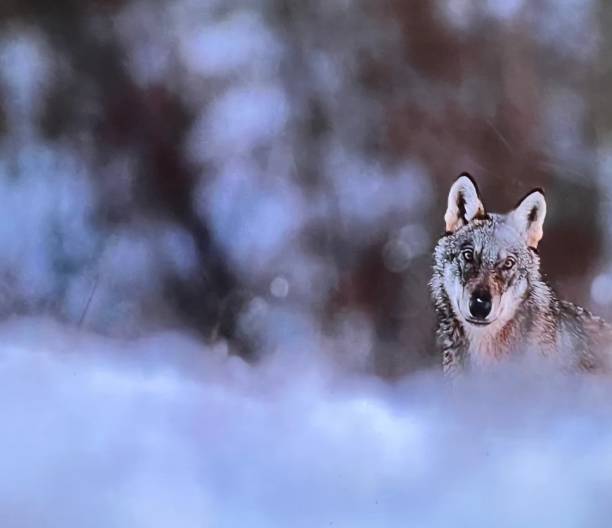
(486, 263)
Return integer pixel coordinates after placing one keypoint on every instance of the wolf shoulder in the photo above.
(588, 337)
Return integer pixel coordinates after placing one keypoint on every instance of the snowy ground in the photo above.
(107, 433)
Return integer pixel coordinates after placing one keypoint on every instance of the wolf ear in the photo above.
(463, 203)
(528, 217)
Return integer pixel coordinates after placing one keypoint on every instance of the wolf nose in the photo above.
(480, 304)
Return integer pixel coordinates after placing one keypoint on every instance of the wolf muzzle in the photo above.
(480, 304)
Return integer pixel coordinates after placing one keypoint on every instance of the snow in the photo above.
(115, 433)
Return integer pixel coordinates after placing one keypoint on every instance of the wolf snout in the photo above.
(480, 304)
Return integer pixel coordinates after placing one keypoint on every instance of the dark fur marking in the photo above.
(461, 207)
(533, 215)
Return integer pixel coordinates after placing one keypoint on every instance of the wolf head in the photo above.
(486, 263)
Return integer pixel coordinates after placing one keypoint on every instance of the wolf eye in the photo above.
(509, 263)
(468, 255)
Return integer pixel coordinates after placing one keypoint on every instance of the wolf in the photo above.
(489, 296)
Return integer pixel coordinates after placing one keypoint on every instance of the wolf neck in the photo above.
(489, 345)
(525, 330)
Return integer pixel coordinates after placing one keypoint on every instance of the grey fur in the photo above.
(528, 315)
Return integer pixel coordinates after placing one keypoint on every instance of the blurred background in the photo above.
(272, 175)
